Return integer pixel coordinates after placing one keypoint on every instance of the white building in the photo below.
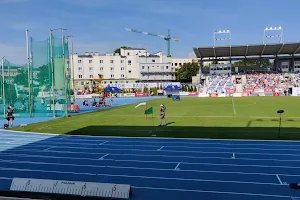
(178, 62)
(130, 66)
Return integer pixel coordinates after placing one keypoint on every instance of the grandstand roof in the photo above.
(248, 50)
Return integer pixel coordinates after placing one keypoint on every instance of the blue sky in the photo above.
(98, 25)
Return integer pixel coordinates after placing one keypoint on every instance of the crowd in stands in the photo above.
(273, 81)
(220, 83)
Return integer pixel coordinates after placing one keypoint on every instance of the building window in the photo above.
(90, 68)
(82, 83)
(167, 67)
(172, 64)
(153, 60)
(129, 62)
(90, 61)
(112, 69)
(79, 68)
(128, 53)
(111, 61)
(101, 61)
(143, 67)
(122, 75)
(91, 76)
(101, 68)
(80, 76)
(111, 75)
(129, 71)
(122, 61)
(122, 68)
(175, 64)
(79, 61)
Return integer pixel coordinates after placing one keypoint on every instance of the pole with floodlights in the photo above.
(278, 32)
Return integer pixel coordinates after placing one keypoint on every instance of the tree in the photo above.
(44, 75)
(22, 77)
(249, 63)
(185, 73)
(118, 50)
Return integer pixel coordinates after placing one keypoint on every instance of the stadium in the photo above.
(234, 137)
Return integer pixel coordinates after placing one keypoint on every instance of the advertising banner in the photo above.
(142, 85)
(140, 94)
(230, 91)
(193, 93)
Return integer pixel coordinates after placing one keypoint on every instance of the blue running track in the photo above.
(157, 168)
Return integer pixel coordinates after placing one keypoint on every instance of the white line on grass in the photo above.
(233, 106)
(279, 179)
(176, 168)
(160, 148)
(103, 157)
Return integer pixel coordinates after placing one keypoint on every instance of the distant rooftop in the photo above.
(129, 48)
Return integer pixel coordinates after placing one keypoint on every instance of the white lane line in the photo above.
(133, 176)
(233, 106)
(279, 179)
(138, 168)
(168, 151)
(48, 149)
(160, 148)
(193, 149)
(176, 168)
(211, 191)
(151, 138)
(212, 164)
(103, 157)
(103, 142)
(3, 154)
(181, 145)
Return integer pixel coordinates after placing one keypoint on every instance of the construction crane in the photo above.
(167, 38)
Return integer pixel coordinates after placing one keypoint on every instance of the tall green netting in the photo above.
(42, 87)
(14, 89)
(49, 90)
(41, 78)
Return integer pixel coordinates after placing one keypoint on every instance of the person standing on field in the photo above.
(162, 115)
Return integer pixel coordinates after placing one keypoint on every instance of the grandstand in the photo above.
(224, 78)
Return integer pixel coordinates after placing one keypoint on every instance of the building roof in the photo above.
(248, 50)
(129, 48)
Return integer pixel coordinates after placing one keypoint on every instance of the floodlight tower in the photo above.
(226, 35)
(277, 33)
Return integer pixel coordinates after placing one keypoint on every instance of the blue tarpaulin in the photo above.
(171, 88)
(112, 89)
